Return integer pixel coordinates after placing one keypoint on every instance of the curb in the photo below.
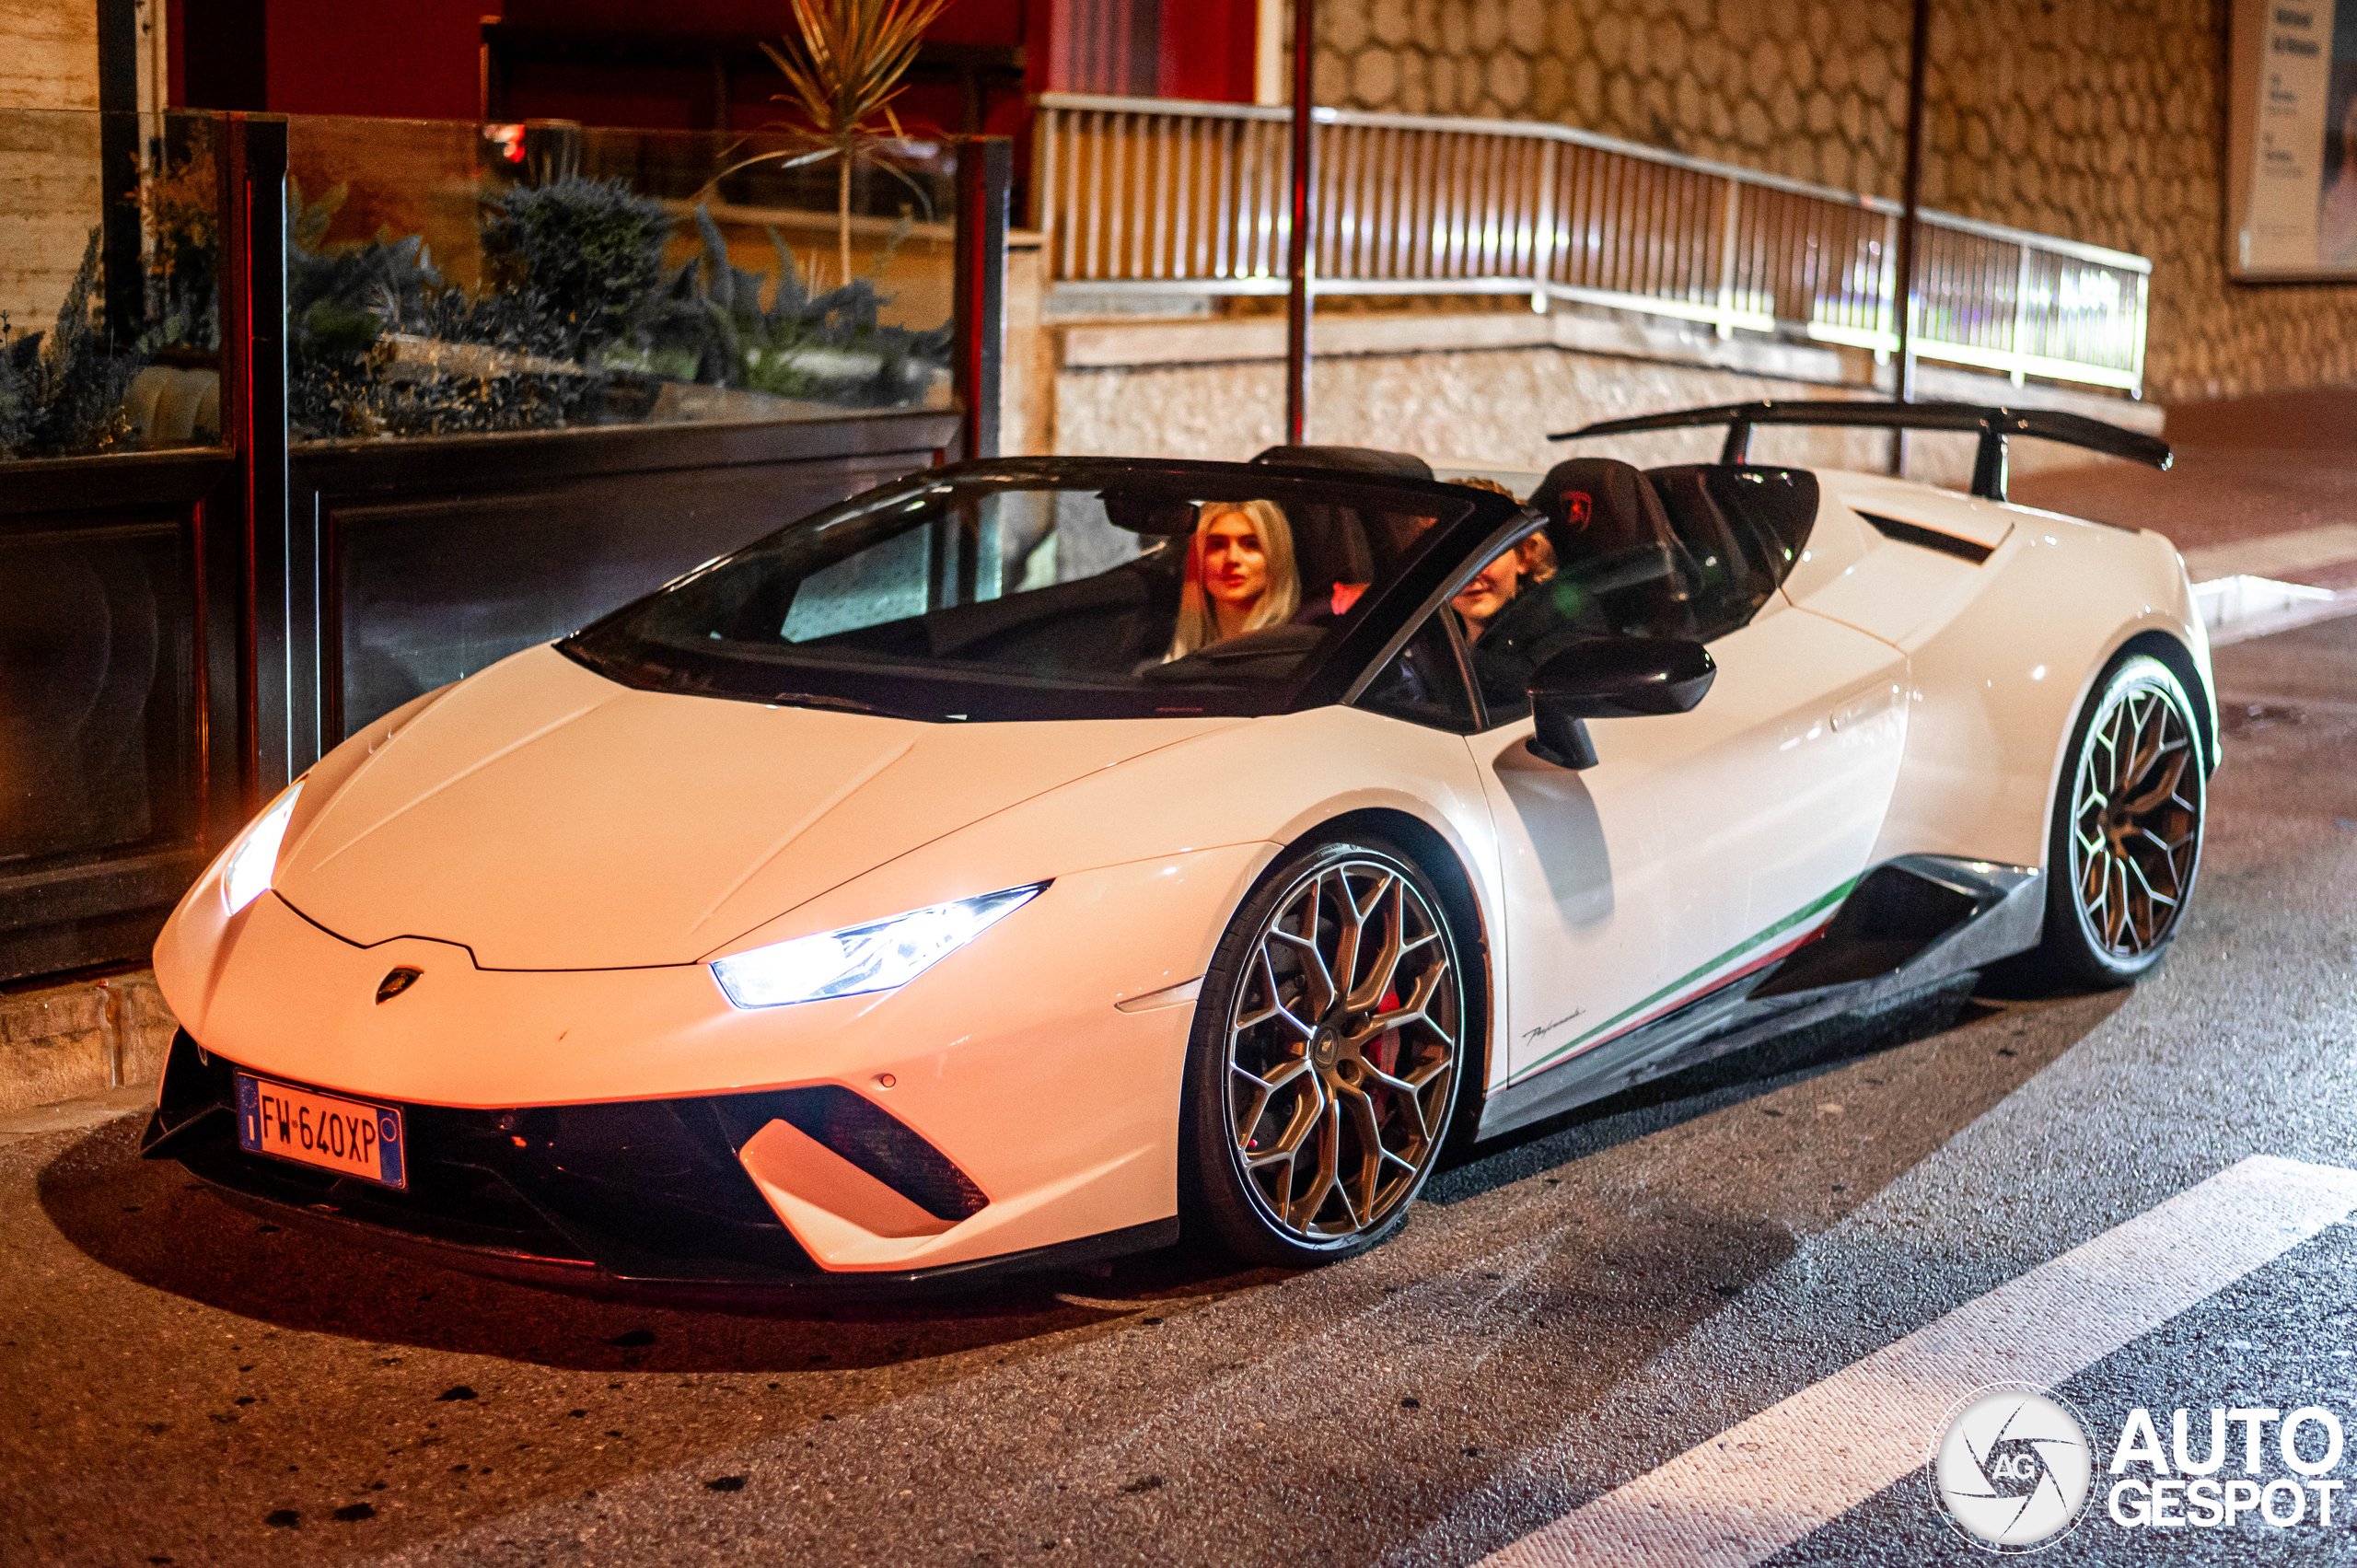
(2241, 606)
(66, 1042)
(76, 1115)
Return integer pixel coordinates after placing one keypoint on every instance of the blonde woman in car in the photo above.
(1240, 576)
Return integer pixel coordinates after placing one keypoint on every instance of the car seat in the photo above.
(1613, 539)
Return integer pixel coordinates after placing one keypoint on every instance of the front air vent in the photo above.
(866, 1135)
(1928, 539)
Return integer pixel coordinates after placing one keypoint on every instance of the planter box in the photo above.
(128, 725)
(432, 559)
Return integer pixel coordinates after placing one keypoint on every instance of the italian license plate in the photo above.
(348, 1136)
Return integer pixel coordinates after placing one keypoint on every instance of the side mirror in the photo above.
(1611, 678)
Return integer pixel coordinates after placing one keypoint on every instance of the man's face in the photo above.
(1490, 589)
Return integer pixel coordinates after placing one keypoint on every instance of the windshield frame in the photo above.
(1327, 675)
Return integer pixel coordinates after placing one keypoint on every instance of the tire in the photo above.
(1315, 1107)
(2126, 840)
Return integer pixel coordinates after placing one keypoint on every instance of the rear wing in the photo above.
(1993, 424)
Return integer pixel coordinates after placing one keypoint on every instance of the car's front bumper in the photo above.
(650, 1195)
(1043, 1061)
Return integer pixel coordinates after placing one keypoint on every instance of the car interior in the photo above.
(1691, 550)
(1119, 621)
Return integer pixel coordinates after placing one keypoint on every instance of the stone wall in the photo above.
(49, 160)
(67, 1041)
(1465, 393)
(48, 146)
(2098, 120)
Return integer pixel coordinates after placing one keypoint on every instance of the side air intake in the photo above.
(865, 1135)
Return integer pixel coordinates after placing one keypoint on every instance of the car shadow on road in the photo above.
(1762, 1069)
(155, 1223)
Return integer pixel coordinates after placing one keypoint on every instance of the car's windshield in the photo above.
(1023, 594)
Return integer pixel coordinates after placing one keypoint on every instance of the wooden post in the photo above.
(1298, 263)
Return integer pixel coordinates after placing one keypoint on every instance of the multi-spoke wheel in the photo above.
(1329, 1043)
(2127, 821)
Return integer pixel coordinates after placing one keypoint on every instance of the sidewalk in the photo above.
(2262, 502)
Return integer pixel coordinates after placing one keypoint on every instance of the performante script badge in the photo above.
(395, 983)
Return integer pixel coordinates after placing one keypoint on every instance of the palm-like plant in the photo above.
(844, 70)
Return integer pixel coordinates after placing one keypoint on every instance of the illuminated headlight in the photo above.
(861, 959)
(247, 877)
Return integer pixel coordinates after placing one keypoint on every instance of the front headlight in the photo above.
(861, 959)
(247, 877)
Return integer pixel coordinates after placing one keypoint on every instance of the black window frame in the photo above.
(1467, 521)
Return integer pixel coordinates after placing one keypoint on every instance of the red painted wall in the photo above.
(1207, 47)
(421, 59)
(415, 59)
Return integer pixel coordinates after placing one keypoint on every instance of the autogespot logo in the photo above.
(2012, 1470)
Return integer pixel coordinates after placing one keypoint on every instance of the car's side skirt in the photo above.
(1909, 924)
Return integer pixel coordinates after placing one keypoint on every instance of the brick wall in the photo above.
(2099, 119)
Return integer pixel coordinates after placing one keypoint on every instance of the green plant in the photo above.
(590, 249)
(342, 299)
(829, 346)
(843, 71)
(180, 206)
(62, 391)
(345, 300)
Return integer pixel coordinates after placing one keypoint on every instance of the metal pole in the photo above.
(985, 175)
(123, 274)
(1911, 223)
(253, 408)
(1298, 264)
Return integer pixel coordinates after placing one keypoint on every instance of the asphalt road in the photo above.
(182, 1384)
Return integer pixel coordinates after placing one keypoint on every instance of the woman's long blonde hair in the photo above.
(1198, 623)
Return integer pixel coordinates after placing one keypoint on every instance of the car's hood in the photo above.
(549, 819)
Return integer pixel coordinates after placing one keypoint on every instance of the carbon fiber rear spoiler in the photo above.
(1993, 425)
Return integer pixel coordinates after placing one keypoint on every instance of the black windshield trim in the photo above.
(1328, 675)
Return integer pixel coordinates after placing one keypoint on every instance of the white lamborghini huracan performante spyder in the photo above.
(1029, 858)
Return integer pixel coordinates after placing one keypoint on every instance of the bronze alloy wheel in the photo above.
(2136, 802)
(2125, 842)
(1343, 1035)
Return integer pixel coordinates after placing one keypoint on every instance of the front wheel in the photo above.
(1328, 1045)
(2127, 835)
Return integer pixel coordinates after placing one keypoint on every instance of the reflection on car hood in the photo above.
(549, 819)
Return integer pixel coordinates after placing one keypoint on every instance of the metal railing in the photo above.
(1153, 195)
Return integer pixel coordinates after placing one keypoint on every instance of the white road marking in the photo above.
(1771, 1481)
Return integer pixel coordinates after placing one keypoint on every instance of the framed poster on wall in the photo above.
(2292, 140)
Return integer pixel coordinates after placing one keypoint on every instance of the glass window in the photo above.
(1424, 681)
(1003, 597)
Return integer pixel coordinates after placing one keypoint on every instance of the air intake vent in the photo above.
(1928, 539)
(865, 1134)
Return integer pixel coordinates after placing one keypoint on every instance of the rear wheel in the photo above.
(2127, 835)
(1328, 1045)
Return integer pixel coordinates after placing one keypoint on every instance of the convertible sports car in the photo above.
(912, 891)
